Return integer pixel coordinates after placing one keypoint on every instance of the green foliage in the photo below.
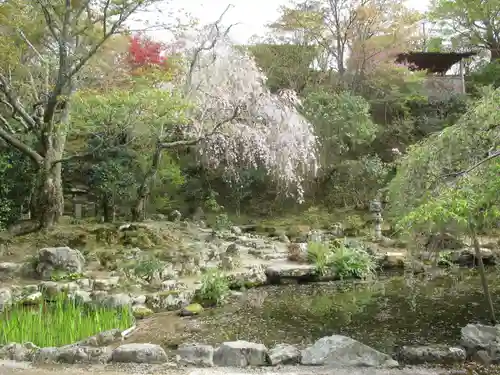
(287, 66)
(62, 322)
(214, 288)
(353, 183)
(123, 128)
(319, 254)
(17, 174)
(350, 261)
(486, 75)
(222, 221)
(346, 260)
(62, 276)
(342, 122)
(145, 269)
(465, 20)
(472, 202)
(423, 170)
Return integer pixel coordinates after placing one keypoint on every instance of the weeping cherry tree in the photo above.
(234, 121)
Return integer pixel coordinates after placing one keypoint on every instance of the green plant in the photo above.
(222, 221)
(62, 276)
(352, 262)
(319, 254)
(58, 323)
(146, 269)
(214, 288)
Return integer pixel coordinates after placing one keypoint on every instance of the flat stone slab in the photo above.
(287, 270)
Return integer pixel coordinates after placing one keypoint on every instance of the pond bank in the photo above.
(385, 314)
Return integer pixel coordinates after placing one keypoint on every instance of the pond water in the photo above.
(383, 314)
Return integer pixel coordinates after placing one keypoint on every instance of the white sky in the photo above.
(252, 15)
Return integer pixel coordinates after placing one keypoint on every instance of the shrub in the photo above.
(59, 323)
(344, 259)
(146, 269)
(214, 288)
(320, 255)
(350, 261)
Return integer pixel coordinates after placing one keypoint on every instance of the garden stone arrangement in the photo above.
(79, 294)
(334, 351)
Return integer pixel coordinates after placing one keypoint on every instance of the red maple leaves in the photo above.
(144, 52)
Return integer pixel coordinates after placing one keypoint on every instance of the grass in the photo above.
(59, 323)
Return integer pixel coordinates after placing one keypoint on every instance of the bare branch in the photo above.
(475, 166)
(202, 47)
(13, 101)
(18, 144)
(195, 141)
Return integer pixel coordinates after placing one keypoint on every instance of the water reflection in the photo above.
(383, 314)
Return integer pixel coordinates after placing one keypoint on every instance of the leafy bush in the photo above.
(222, 221)
(352, 262)
(428, 165)
(319, 254)
(214, 288)
(344, 259)
(59, 323)
(146, 269)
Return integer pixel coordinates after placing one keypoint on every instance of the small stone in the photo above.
(436, 354)
(139, 353)
(233, 250)
(241, 354)
(141, 311)
(117, 300)
(5, 298)
(9, 270)
(46, 355)
(80, 296)
(106, 284)
(105, 338)
(284, 354)
(195, 355)
(32, 299)
(192, 309)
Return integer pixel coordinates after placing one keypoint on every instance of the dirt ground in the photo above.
(10, 368)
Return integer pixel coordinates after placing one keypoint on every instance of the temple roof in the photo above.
(433, 62)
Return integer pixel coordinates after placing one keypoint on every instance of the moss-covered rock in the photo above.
(192, 309)
(141, 312)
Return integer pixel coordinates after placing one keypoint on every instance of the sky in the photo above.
(251, 15)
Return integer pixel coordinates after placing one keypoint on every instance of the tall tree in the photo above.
(334, 25)
(470, 22)
(57, 39)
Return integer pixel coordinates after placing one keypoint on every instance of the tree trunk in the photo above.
(495, 53)
(144, 189)
(50, 195)
(107, 210)
(484, 281)
(50, 198)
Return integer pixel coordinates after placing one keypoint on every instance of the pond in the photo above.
(383, 314)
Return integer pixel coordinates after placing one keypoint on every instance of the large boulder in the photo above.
(240, 354)
(342, 350)
(479, 336)
(195, 355)
(139, 353)
(285, 354)
(61, 259)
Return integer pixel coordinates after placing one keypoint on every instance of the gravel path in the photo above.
(11, 368)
